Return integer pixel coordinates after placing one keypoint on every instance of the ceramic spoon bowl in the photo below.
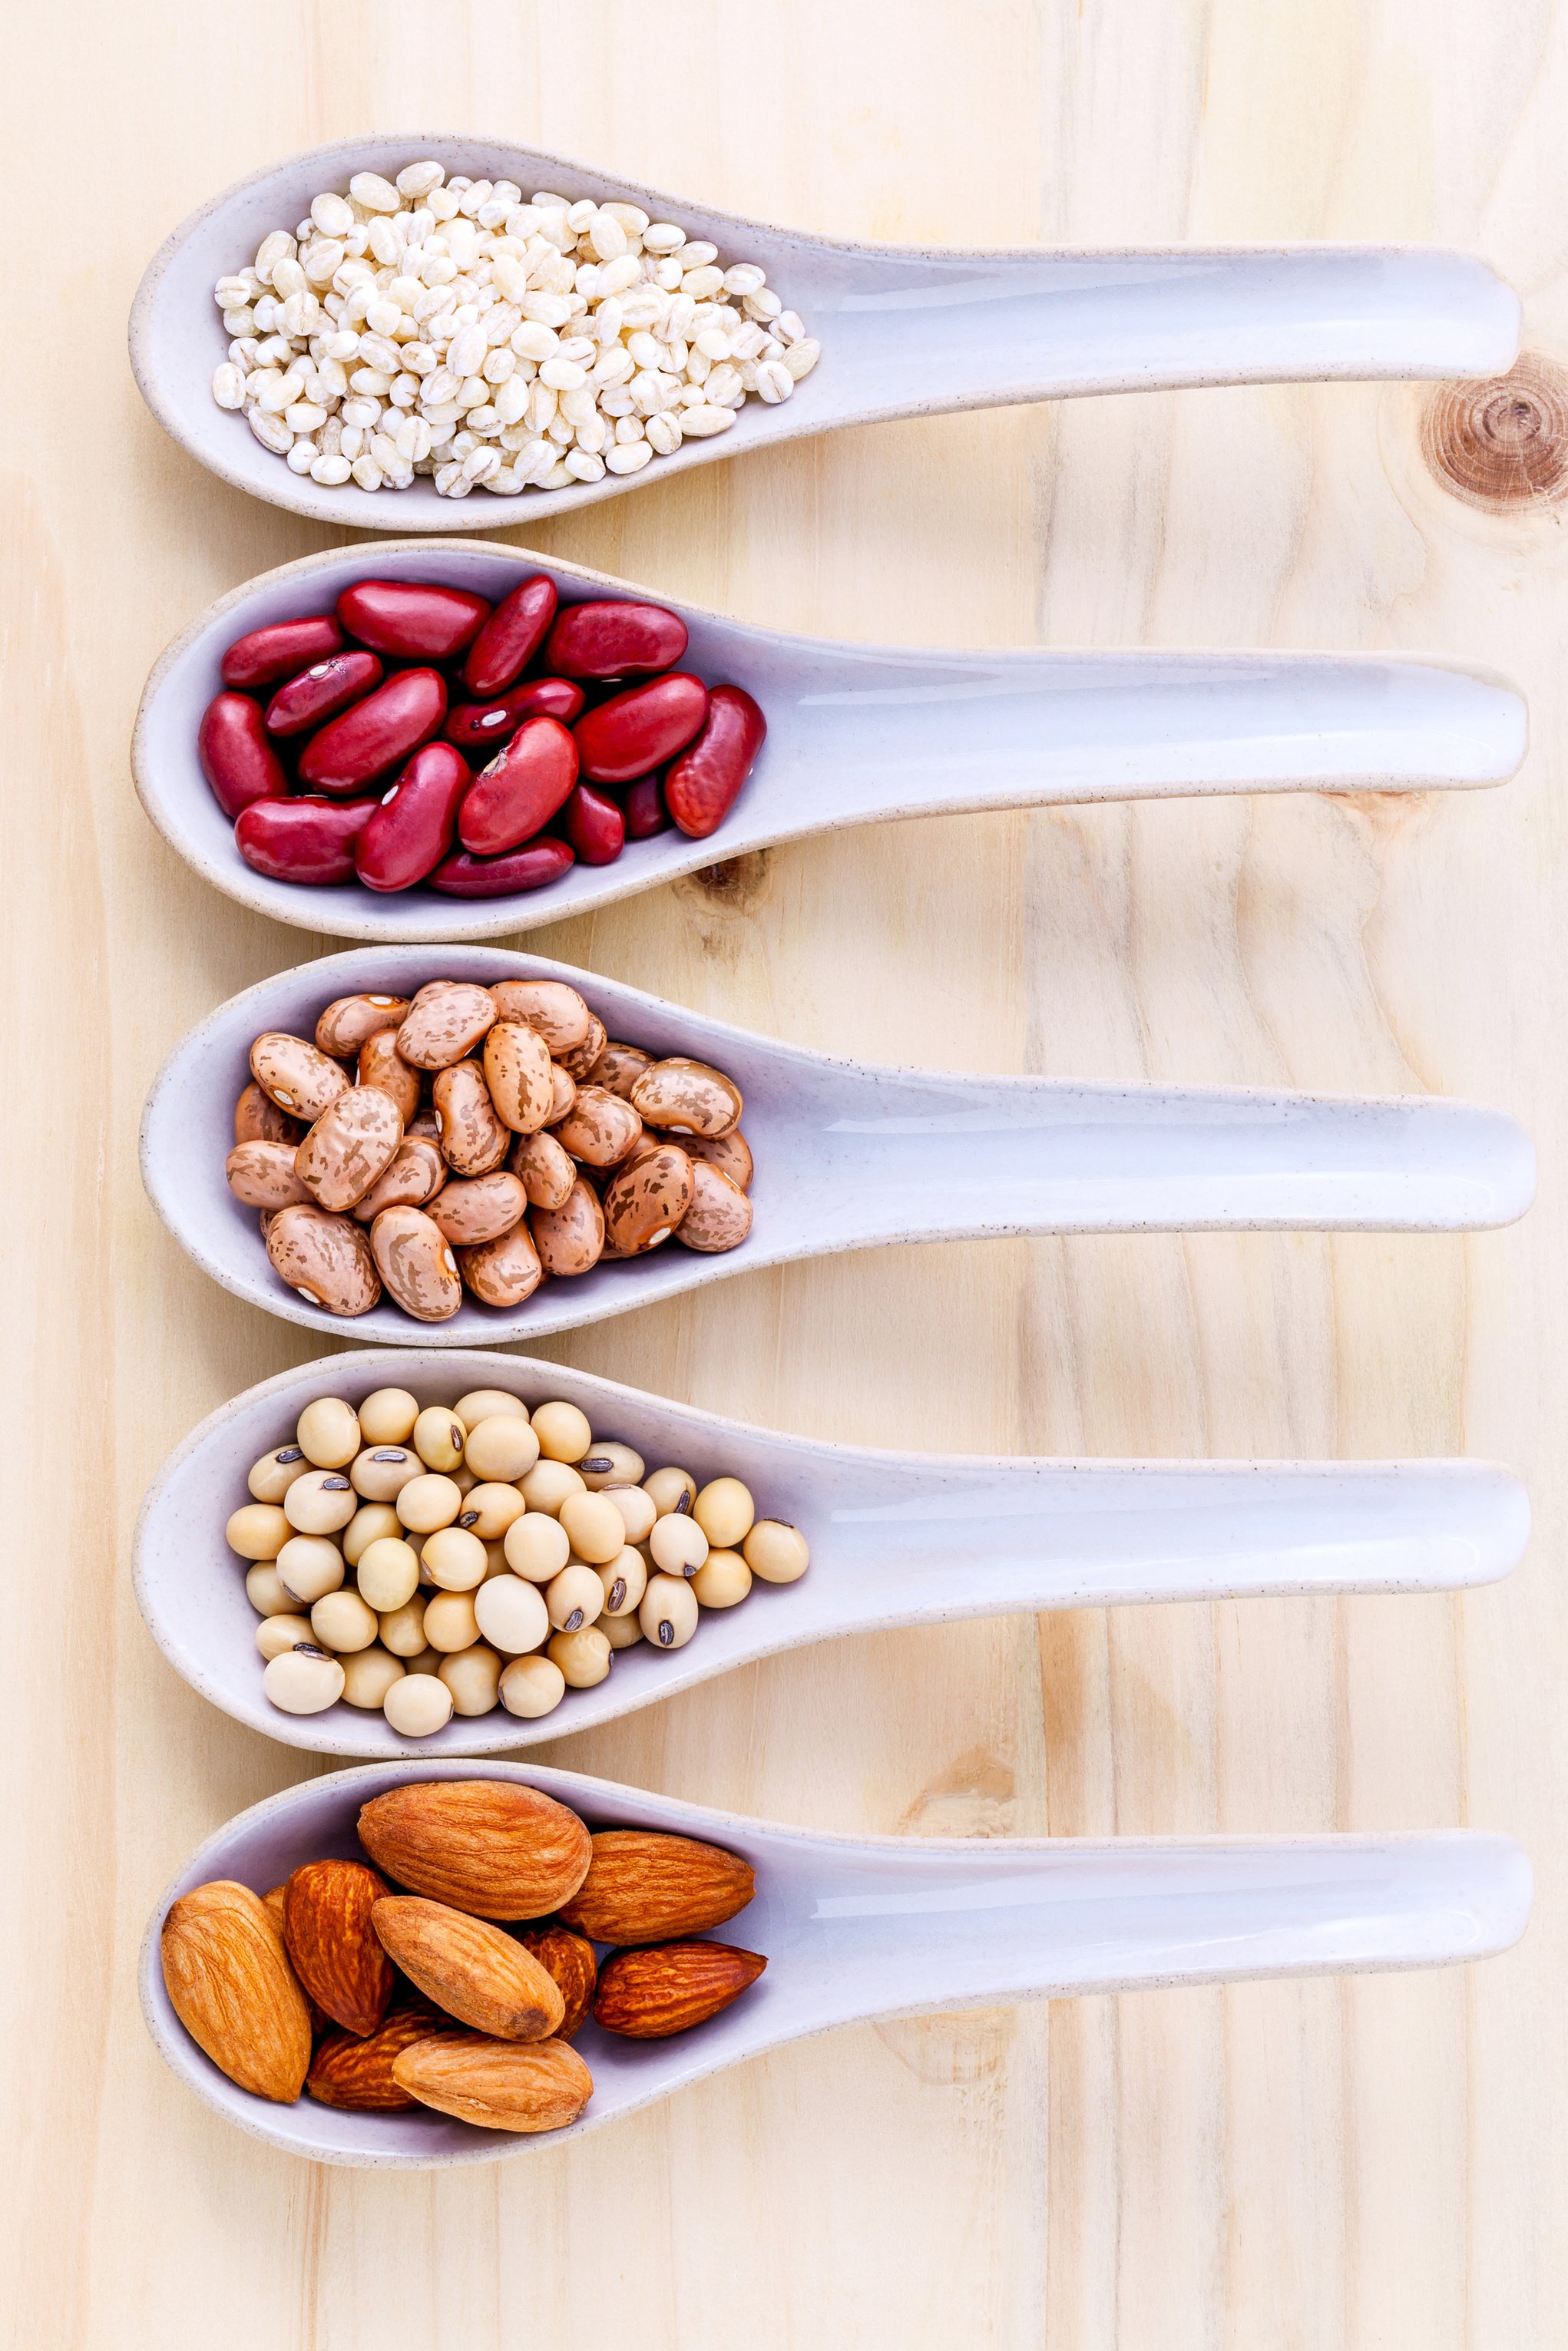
(903, 332)
(895, 1538)
(861, 1928)
(858, 733)
(850, 1157)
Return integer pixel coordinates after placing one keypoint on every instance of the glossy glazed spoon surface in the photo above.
(861, 733)
(895, 1538)
(903, 332)
(850, 1157)
(860, 1928)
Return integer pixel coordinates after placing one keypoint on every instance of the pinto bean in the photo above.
(262, 1176)
(563, 1093)
(556, 1010)
(622, 739)
(601, 1127)
(412, 620)
(374, 738)
(414, 1261)
(570, 1239)
(351, 1143)
(257, 1120)
(647, 1199)
(383, 1066)
(415, 826)
(720, 1215)
(730, 1153)
(688, 1097)
(326, 1259)
(581, 1060)
(319, 693)
(702, 786)
(600, 639)
(346, 1024)
(504, 1272)
(264, 655)
(238, 760)
(411, 1178)
(445, 1024)
(295, 1075)
(520, 791)
(545, 1170)
(303, 839)
(473, 1138)
(480, 1209)
(619, 1066)
(518, 1072)
(473, 726)
(512, 636)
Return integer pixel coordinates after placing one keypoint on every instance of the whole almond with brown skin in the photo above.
(230, 1983)
(477, 1974)
(492, 1847)
(647, 1995)
(336, 1954)
(570, 1959)
(348, 2072)
(643, 1887)
(273, 1904)
(508, 2085)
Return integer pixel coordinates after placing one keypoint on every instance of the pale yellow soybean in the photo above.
(328, 1433)
(609, 1465)
(272, 1476)
(671, 1490)
(374, 1522)
(276, 1633)
(563, 1432)
(264, 1590)
(454, 1559)
(402, 1629)
(490, 1510)
(536, 1547)
(450, 1623)
(303, 1681)
(724, 1511)
(382, 1471)
(344, 1622)
(511, 1615)
(503, 1446)
(574, 1598)
(669, 1611)
(483, 1404)
(621, 1631)
(722, 1580)
(625, 1580)
(438, 1437)
(417, 1706)
(389, 1575)
(258, 1531)
(547, 1484)
(594, 1527)
(367, 1675)
(637, 1508)
(473, 1679)
(583, 1656)
(429, 1503)
(776, 1552)
(309, 1566)
(678, 1545)
(387, 1418)
(321, 1502)
(532, 1686)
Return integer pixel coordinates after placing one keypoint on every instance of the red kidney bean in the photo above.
(302, 839)
(640, 729)
(520, 789)
(615, 640)
(594, 826)
(644, 808)
(529, 868)
(701, 787)
(411, 619)
(510, 638)
(415, 825)
(476, 725)
(377, 734)
(320, 692)
(266, 654)
(237, 759)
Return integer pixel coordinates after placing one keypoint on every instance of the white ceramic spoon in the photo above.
(903, 332)
(860, 1928)
(895, 1538)
(858, 733)
(850, 1157)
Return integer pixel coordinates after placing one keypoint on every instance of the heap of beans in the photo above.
(474, 1555)
(344, 745)
(478, 1138)
(446, 328)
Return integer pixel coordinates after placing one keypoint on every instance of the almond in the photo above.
(349, 2071)
(570, 1960)
(472, 1970)
(231, 1985)
(337, 1956)
(648, 1994)
(536, 2085)
(273, 1904)
(488, 1847)
(644, 1888)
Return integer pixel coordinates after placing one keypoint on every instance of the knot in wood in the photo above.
(1502, 443)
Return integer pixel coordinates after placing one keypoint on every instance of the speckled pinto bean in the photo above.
(730, 1153)
(601, 1127)
(479, 726)
(238, 759)
(319, 692)
(570, 1239)
(326, 1259)
(594, 825)
(560, 1014)
(411, 1179)
(257, 1120)
(520, 789)
(472, 1137)
(295, 1075)
(518, 1072)
(479, 1209)
(416, 823)
(373, 739)
(546, 1172)
(381, 1065)
(615, 640)
(688, 1097)
(264, 655)
(563, 1093)
(503, 1273)
(417, 1266)
(647, 1200)
(581, 1060)
(445, 1024)
(262, 1175)
(700, 785)
(511, 636)
(307, 840)
(349, 1023)
(632, 732)
(720, 1215)
(533, 867)
(351, 1144)
(412, 620)
(619, 1066)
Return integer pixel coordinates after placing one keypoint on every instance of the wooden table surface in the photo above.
(1372, 2163)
